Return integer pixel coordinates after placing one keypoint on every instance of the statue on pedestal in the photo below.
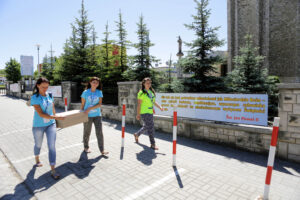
(179, 54)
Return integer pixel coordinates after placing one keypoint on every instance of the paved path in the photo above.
(204, 171)
(11, 184)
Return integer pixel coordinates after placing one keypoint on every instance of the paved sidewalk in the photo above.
(204, 171)
(11, 184)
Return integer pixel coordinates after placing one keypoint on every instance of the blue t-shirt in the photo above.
(91, 99)
(46, 104)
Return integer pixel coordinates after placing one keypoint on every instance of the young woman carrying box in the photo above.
(91, 101)
(44, 122)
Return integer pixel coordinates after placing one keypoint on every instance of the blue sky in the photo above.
(23, 24)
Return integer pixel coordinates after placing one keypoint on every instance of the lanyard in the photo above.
(150, 96)
(47, 103)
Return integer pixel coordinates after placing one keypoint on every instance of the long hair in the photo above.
(38, 82)
(93, 79)
(143, 86)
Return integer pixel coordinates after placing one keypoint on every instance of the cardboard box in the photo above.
(72, 118)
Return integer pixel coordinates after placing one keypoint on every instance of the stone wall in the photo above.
(248, 137)
(126, 91)
(289, 113)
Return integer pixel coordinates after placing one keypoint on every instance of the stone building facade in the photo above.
(289, 113)
(275, 27)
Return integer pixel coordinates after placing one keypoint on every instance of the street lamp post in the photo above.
(38, 49)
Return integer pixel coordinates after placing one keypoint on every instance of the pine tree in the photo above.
(57, 71)
(13, 70)
(107, 48)
(94, 56)
(93, 51)
(199, 60)
(111, 70)
(48, 68)
(248, 75)
(143, 60)
(123, 43)
(76, 66)
(47, 71)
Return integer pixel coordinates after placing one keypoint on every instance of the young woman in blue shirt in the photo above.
(91, 101)
(44, 122)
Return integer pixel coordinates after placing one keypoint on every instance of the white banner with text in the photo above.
(14, 87)
(55, 91)
(236, 108)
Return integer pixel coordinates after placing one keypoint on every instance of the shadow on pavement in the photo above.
(122, 153)
(226, 151)
(178, 177)
(80, 169)
(147, 155)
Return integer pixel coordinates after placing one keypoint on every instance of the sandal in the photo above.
(55, 175)
(39, 164)
(154, 147)
(136, 137)
(104, 153)
(87, 150)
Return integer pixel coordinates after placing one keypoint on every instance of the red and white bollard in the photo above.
(123, 121)
(174, 134)
(66, 104)
(271, 157)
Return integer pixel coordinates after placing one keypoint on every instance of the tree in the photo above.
(123, 43)
(199, 60)
(111, 71)
(249, 76)
(110, 60)
(143, 59)
(36, 74)
(166, 78)
(57, 71)
(48, 68)
(107, 48)
(93, 54)
(76, 64)
(2, 71)
(13, 70)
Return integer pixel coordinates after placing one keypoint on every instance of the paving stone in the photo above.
(206, 171)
